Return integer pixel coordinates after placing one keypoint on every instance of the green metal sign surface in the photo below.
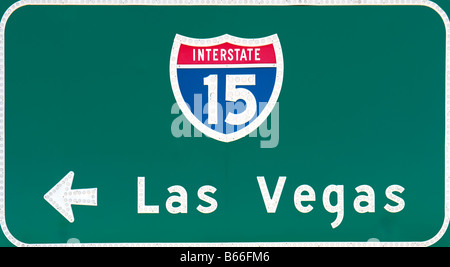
(353, 150)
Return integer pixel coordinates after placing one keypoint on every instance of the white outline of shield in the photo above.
(226, 38)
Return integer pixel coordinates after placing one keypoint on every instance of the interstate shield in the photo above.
(226, 86)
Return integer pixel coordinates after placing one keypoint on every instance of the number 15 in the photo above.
(232, 93)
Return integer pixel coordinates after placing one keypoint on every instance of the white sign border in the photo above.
(426, 3)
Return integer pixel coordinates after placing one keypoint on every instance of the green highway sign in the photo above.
(224, 123)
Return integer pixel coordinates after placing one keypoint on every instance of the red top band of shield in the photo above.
(226, 53)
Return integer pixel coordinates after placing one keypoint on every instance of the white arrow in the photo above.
(62, 197)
